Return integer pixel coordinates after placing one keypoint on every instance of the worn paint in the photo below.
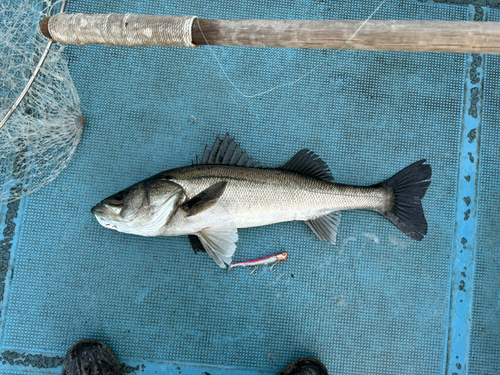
(487, 3)
(7, 240)
(129, 369)
(11, 218)
(464, 244)
(20, 361)
(38, 361)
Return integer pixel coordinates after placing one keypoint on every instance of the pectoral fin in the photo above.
(325, 227)
(204, 200)
(220, 244)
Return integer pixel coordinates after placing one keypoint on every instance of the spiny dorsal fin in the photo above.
(204, 200)
(308, 163)
(227, 152)
(325, 227)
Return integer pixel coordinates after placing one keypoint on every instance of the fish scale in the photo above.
(265, 196)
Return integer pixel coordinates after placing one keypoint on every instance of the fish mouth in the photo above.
(104, 215)
(105, 210)
(98, 210)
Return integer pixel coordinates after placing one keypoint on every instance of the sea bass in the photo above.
(225, 190)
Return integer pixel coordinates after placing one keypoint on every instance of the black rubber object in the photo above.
(90, 357)
(305, 366)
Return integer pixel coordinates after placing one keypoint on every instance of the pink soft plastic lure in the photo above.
(260, 262)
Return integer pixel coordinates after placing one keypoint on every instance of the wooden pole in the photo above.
(416, 36)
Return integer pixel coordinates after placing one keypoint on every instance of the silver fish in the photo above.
(226, 190)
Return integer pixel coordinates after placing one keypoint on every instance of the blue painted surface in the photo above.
(484, 351)
(375, 303)
(464, 246)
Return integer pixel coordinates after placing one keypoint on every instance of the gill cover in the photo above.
(143, 208)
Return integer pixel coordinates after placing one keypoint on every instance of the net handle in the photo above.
(143, 30)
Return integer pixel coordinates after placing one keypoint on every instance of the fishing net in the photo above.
(40, 137)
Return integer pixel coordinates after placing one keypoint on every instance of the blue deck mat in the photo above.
(377, 302)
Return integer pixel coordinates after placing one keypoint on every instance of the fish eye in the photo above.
(121, 195)
(116, 200)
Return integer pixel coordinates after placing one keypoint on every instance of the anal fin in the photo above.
(325, 227)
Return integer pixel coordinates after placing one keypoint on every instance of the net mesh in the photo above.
(40, 137)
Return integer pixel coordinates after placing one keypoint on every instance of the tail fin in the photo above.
(409, 187)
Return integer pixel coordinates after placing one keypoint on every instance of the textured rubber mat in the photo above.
(377, 302)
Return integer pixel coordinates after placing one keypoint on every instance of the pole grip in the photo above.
(126, 30)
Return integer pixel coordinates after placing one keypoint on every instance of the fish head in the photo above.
(142, 209)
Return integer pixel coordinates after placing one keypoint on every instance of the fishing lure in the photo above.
(275, 258)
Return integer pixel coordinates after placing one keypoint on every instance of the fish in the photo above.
(275, 258)
(225, 190)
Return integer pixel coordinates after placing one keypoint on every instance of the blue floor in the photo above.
(377, 302)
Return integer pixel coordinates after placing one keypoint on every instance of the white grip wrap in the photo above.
(125, 30)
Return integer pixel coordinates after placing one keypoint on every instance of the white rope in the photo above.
(129, 30)
(300, 78)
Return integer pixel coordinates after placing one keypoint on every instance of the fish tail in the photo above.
(407, 188)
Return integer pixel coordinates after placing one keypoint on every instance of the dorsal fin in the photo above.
(307, 163)
(228, 152)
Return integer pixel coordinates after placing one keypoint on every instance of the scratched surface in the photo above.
(376, 302)
(485, 332)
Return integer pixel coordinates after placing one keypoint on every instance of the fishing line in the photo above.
(298, 79)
